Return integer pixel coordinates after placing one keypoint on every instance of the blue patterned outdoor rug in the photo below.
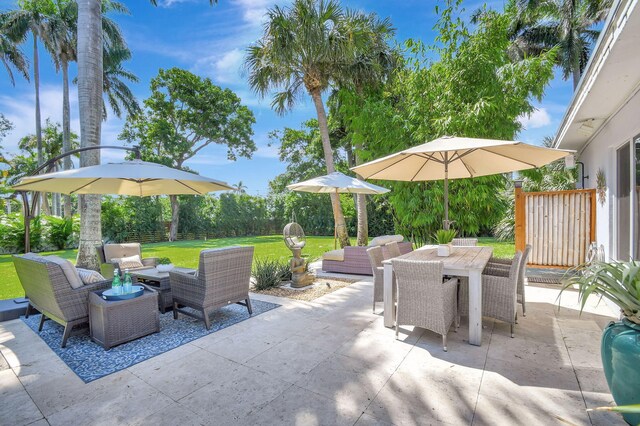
(90, 361)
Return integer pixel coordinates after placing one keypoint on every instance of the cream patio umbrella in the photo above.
(337, 182)
(450, 157)
(135, 177)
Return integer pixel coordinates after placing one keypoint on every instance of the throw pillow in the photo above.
(130, 262)
(88, 276)
(68, 269)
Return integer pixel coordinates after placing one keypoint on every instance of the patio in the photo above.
(331, 362)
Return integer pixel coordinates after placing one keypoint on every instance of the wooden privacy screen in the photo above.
(559, 225)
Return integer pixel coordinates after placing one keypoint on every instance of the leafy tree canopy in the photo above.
(186, 113)
(464, 85)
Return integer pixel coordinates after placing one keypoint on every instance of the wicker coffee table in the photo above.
(160, 282)
(114, 322)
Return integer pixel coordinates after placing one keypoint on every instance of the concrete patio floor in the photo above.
(330, 362)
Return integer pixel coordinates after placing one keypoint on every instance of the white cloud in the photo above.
(537, 119)
(169, 3)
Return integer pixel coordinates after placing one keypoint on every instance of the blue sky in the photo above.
(210, 41)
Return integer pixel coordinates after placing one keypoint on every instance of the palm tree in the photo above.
(118, 93)
(310, 46)
(62, 30)
(240, 188)
(31, 17)
(540, 25)
(90, 56)
(10, 55)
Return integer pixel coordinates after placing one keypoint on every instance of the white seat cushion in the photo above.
(337, 255)
(385, 239)
(68, 269)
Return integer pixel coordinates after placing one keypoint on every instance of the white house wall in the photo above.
(600, 153)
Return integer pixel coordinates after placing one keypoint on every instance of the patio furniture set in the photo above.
(422, 289)
(74, 297)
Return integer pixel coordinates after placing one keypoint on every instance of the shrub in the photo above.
(12, 233)
(268, 273)
(60, 231)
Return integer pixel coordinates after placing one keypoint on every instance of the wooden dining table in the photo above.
(462, 262)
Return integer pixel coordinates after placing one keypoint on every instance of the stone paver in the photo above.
(331, 362)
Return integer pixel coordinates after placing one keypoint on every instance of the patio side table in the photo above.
(114, 322)
(160, 282)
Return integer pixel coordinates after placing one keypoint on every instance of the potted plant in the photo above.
(164, 264)
(443, 238)
(618, 282)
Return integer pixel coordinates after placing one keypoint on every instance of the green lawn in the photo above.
(185, 253)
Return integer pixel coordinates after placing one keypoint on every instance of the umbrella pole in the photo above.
(446, 191)
(335, 228)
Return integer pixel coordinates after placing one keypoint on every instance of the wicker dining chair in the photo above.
(500, 294)
(464, 242)
(501, 267)
(223, 278)
(392, 250)
(376, 258)
(423, 300)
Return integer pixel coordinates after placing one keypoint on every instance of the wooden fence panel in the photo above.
(559, 225)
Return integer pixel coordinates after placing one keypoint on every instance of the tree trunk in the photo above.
(338, 216)
(36, 83)
(66, 127)
(576, 78)
(90, 105)
(361, 206)
(175, 217)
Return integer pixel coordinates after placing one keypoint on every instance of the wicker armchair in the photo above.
(49, 292)
(223, 278)
(376, 257)
(500, 267)
(423, 299)
(107, 252)
(464, 242)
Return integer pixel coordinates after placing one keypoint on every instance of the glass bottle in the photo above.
(127, 286)
(116, 284)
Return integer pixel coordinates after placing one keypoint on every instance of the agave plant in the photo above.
(445, 236)
(618, 282)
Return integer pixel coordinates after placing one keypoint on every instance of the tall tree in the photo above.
(183, 115)
(31, 17)
(571, 25)
(10, 54)
(311, 45)
(240, 188)
(62, 30)
(90, 85)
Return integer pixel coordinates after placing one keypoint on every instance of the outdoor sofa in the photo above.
(354, 260)
(50, 290)
(107, 253)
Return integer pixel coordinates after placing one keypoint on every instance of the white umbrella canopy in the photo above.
(139, 178)
(457, 157)
(450, 157)
(337, 182)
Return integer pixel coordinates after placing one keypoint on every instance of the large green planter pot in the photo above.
(621, 361)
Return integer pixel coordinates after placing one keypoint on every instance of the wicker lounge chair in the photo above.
(501, 267)
(50, 292)
(423, 299)
(223, 278)
(107, 252)
(464, 242)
